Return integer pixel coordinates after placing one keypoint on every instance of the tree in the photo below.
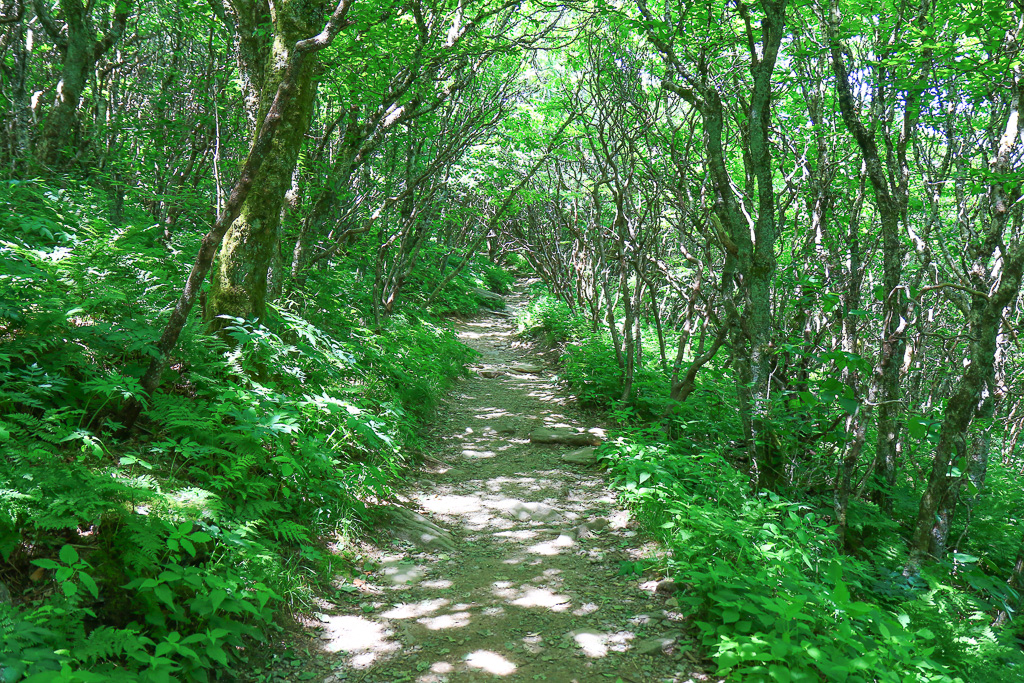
(750, 243)
(80, 49)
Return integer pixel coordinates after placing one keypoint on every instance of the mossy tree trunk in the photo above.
(749, 246)
(239, 288)
(291, 76)
(888, 171)
(995, 278)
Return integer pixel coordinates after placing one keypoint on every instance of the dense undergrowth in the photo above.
(167, 554)
(768, 594)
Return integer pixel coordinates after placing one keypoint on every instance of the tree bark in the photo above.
(929, 538)
(856, 424)
(239, 288)
(891, 199)
(750, 257)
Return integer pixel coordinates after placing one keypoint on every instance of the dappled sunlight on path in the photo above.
(532, 590)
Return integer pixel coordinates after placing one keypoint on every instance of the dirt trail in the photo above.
(530, 588)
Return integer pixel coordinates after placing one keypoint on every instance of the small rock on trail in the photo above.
(527, 369)
(583, 456)
(566, 436)
(416, 529)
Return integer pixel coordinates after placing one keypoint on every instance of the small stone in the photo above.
(534, 512)
(651, 618)
(489, 374)
(656, 645)
(666, 587)
(489, 299)
(527, 369)
(414, 528)
(564, 436)
(505, 428)
(583, 456)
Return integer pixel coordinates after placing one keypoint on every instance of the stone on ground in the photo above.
(565, 436)
(527, 369)
(656, 645)
(412, 527)
(532, 511)
(588, 529)
(583, 456)
(490, 299)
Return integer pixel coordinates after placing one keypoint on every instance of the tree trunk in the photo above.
(931, 531)
(750, 249)
(856, 424)
(890, 183)
(19, 136)
(261, 145)
(629, 343)
(239, 288)
(1014, 582)
(929, 536)
(80, 50)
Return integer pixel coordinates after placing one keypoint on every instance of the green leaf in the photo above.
(68, 555)
(164, 594)
(215, 653)
(965, 558)
(217, 596)
(841, 594)
(46, 564)
(780, 674)
(850, 405)
(89, 583)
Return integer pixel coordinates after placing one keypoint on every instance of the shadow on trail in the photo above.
(533, 589)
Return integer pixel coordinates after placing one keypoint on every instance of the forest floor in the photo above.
(525, 581)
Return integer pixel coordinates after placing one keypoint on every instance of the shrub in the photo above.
(166, 555)
(771, 597)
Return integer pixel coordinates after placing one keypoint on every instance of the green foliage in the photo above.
(770, 595)
(548, 317)
(496, 278)
(165, 556)
(592, 370)
(772, 598)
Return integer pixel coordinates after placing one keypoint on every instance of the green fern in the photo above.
(107, 643)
